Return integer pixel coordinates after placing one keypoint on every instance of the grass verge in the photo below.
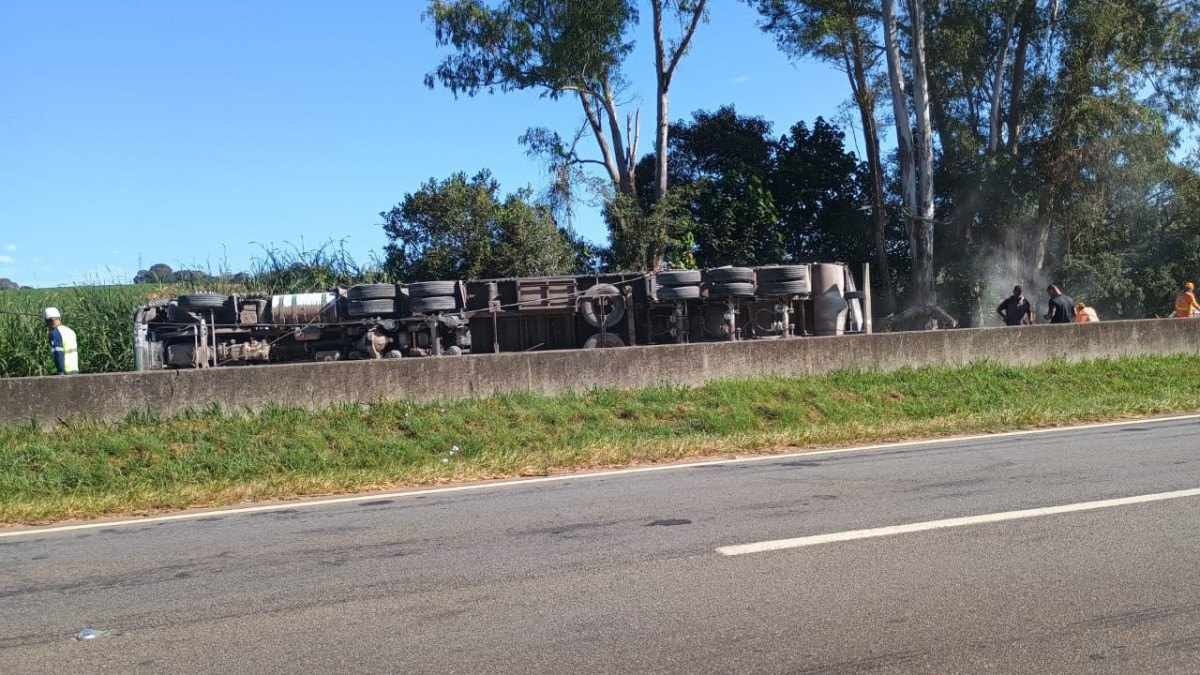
(214, 458)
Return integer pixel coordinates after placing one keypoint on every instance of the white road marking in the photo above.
(851, 535)
(330, 501)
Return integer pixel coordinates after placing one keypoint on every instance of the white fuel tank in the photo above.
(829, 303)
(304, 308)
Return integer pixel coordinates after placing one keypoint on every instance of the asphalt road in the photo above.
(622, 574)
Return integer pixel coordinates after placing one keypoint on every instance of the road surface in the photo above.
(662, 571)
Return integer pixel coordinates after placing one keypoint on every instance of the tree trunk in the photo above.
(664, 67)
(995, 116)
(597, 127)
(625, 180)
(1017, 95)
(662, 118)
(864, 97)
(925, 293)
(904, 136)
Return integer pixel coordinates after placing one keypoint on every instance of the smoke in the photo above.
(999, 269)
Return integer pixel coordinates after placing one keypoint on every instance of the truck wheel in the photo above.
(430, 305)
(679, 293)
(362, 308)
(773, 273)
(603, 341)
(372, 292)
(678, 278)
(205, 301)
(732, 290)
(779, 288)
(725, 275)
(602, 306)
(432, 289)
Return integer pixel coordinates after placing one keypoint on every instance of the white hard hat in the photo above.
(51, 313)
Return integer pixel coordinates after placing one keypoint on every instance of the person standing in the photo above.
(1062, 307)
(1085, 314)
(1015, 310)
(1185, 303)
(63, 344)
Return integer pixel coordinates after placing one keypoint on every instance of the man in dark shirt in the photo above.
(1015, 310)
(1062, 307)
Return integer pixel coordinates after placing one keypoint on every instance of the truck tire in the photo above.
(727, 275)
(431, 305)
(432, 289)
(590, 306)
(603, 341)
(773, 273)
(372, 292)
(780, 288)
(731, 289)
(678, 278)
(362, 308)
(204, 301)
(671, 293)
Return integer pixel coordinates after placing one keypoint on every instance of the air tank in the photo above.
(304, 308)
(829, 302)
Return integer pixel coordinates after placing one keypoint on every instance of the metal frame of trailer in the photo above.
(501, 315)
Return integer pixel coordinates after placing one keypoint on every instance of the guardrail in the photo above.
(52, 400)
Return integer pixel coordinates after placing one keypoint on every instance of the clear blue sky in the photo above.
(143, 132)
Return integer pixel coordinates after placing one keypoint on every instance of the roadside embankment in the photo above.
(144, 463)
(55, 400)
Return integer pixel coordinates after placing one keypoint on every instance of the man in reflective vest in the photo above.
(63, 345)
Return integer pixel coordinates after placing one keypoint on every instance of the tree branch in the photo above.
(681, 48)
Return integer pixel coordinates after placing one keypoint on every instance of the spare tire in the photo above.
(372, 292)
(725, 275)
(773, 273)
(595, 299)
(432, 289)
(361, 308)
(206, 301)
(731, 290)
(778, 288)
(603, 341)
(431, 305)
(679, 293)
(678, 278)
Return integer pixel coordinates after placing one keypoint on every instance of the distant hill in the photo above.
(8, 285)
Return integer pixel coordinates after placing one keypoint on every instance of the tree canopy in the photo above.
(461, 228)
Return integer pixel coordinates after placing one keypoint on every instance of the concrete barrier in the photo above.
(51, 400)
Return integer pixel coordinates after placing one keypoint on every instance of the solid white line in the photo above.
(851, 535)
(329, 501)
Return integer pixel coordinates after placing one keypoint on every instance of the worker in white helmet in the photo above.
(63, 345)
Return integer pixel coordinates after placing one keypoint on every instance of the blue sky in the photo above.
(185, 133)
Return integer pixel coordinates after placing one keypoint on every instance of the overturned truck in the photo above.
(450, 318)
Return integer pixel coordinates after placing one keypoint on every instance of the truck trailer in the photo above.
(454, 318)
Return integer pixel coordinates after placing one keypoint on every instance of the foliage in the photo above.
(553, 47)
(641, 234)
(102, 317)
(755, 198)
(1076, 181)
(211, 458)
(460, 228)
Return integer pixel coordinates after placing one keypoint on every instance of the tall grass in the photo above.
(102, 316)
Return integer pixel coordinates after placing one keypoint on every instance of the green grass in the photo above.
(102, 317)
(213, 458)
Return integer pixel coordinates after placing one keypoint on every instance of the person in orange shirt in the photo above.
(1085, 314)
(1185, 303)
